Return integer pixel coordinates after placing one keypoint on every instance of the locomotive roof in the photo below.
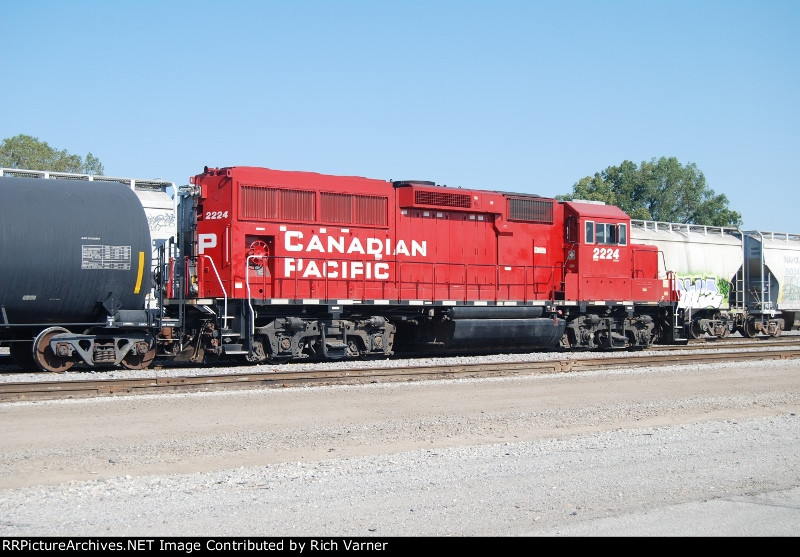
(597, 210)
(297, 176)
(312, 179)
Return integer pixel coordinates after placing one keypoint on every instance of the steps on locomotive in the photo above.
(231, 348)
(335, 349)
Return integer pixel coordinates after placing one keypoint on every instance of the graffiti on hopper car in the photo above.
(702, 292)
(790, 289)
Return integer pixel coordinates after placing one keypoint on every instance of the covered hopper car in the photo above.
(729, 280)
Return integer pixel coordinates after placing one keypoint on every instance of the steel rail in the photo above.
(51, 390)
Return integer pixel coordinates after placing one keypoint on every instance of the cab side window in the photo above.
(589, 232)
(602, 233)
(605, 233)
(622, 236)
(611, 234)
(572, 230)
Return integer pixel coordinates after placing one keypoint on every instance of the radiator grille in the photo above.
(443, 199)
(269, 203)
(530, 210)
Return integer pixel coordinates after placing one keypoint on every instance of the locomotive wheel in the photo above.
(44, 357)
(140, 359)
(257, 354)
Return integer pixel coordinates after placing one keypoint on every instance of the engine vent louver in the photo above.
(354, 209)
(263, 203)
(267, 203)
(443, 199)
(530, 210)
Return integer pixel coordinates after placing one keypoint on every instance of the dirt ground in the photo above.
(55, 442)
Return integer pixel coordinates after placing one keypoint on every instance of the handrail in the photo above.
(249, 296)
(224, 292)
(486, 284)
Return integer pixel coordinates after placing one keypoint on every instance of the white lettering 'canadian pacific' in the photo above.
(377, 247)
(335, 269)
(293, 242)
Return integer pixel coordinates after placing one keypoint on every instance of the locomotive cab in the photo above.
(600, 262)
(615, 285)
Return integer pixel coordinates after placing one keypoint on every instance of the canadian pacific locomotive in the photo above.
(283, 265)
(273, 266)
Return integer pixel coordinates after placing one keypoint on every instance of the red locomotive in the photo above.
(278, 265)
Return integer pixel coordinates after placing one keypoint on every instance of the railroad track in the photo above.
(732, 343)
(50, 390)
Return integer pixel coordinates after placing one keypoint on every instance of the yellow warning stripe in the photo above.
(140, 274)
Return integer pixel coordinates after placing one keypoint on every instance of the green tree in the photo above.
(661, 190)
(26, 152)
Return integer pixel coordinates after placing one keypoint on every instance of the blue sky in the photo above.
(511, 95)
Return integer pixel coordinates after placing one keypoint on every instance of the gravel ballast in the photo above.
(641, 451)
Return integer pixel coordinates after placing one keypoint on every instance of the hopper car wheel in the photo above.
(44, 357)
(142, 357)
(694, 330)
(749, 328)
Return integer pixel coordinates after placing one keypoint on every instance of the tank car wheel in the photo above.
(142, 357)
(694, 330)
(43, 355)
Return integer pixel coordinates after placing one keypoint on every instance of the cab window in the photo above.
(603, 233)
(572, 230)
(622, 236)
(611, 234)
(589, 232)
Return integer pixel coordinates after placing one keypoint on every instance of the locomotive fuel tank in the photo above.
(71, 251)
